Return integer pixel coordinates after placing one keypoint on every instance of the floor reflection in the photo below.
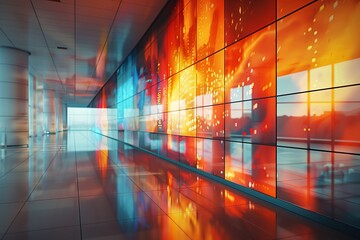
(323, 182)
(107, 190)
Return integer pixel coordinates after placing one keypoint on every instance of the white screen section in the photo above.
(95, 119)
(100, 120)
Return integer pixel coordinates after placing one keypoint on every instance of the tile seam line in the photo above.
(27, 158)
(27, 199)
(43, 229)
(77, 186)
(164, 213)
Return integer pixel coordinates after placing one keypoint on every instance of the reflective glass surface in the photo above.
(104, 189)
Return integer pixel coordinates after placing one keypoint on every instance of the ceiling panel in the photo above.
(97, 35)
(104, 4)
(133, 18)
(93, 23)
(4, 40)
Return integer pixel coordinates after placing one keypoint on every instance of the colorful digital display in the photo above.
(318, 110)
(187, 17)
(243, 18)
(210, 27)
(261, 93)
(251, 165)
(285, 7)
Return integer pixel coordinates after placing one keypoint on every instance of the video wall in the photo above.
(263, 94)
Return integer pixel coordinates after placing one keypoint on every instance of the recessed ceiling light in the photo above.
(62, 48)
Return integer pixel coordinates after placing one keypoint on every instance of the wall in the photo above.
(260, 93)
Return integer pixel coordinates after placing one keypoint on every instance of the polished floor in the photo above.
(80, 185)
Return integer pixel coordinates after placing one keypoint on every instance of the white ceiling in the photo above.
(98, 34)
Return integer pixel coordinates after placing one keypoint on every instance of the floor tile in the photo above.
(202, 224)
(190, 179)
(28, 178)
(66, 189)
(255, 215)
(117, 207)
(172, 201)
(85, 171)
(8, 164)
(69, 233)
(96, 209)
(90, 187)
(14, 193)
(8, 213)
(222, 196)
(52, 176)
(46, 214)
(159, 227)
(198, 199)
(37, 162)
(149, 181)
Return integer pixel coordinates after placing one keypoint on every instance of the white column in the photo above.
(14, 114)
(39, 109)
(32, 106)
(49, 111)
(59, 113)
(64, 116)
